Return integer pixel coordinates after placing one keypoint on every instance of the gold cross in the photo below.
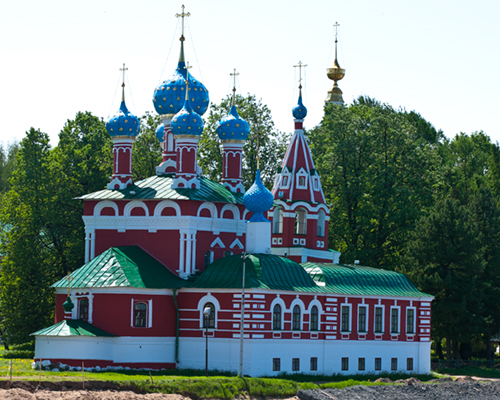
(300, 65)
(69, 278)
(182, 15)
(234, 75)
(123, 83)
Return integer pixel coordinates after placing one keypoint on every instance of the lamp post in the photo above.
(242, 322)
(206, 316)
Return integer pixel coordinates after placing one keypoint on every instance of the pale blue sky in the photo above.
(440, 58)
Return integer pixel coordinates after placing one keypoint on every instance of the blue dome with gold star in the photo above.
(169, 96)
(123, 123)
(187, 121)
(233, 127)
(160, 133)
(258, 200)
(299, 111)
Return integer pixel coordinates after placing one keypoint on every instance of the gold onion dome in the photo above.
(335, 74)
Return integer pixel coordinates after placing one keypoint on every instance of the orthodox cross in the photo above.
(69, 278)
(336, 32)
(182, 15)
(234, 75)
(123, 83)
(300, 65)
(187, 78)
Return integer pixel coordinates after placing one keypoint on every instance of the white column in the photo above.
(92, 244)
(87, 246)
(182, 242)
(193, 258)
(150, 314)
(91, 306)
(189, 243)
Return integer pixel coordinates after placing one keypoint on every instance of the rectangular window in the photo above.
(410, 320)
(394, 364)
(378, 319)
(361, 364)
(295, 364)
(345, 363)
(409, 364)
(394, 320)
(345, 318)
(276, 364)
(378, 364)
(314, 363)
(362, 319)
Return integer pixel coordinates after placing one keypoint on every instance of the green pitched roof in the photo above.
(263, 271)
(72, 327)
(159, 188)
(125, 266)
(359, 280)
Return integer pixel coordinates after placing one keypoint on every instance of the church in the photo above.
(181, 271)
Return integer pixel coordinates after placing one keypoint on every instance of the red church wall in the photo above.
(162, 245)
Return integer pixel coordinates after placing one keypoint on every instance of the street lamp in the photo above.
(206, 317)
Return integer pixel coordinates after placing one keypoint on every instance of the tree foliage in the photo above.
(378, 173)
(147, 150)
(272, 143)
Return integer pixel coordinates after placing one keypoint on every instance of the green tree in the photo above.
(444, 258)
(7, 164)
(272, 143)
(26, 300)
(378, 174)
(147, 150)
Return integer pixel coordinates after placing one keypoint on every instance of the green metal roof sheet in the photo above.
(72, 327)
(160, 188)
(360, 280)
(125, 266)
(263, 271)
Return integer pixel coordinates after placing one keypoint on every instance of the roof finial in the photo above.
(234, 75)
(335, 74)
(186, 81)
(300, 65)
(182, 15)
(123, 83)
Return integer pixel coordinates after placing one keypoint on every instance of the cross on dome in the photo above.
(123, 82)
(234, 75)
(300, 65)
(186, 81)
(182, 15)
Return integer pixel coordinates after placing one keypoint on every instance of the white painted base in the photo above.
(258, 238)
(223, 354)
(121, 349)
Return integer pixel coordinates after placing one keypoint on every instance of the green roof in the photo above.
(72, 327)
(361, 281)
(263, 271)
(159, 188)
(125, 266)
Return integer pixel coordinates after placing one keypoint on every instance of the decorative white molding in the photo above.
(233, 208)
(236, 243)
(135, 204)
(165, 204)
(218, 242)
(208, 206)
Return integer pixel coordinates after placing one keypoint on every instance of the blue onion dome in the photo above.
(169, 96)
(233, 127)
(299, 111)
(160, 133)
(187, 121)
(258, 200)
(123, 123)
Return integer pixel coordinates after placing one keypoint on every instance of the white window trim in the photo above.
(278, 300)
(149, 312)
(399, 320)
(300, 303)
(383, 319)
(208, 298)
(298, 175)
(350, 317)
(289, 178)
(414, 320)
(316, 303)
(367, 319)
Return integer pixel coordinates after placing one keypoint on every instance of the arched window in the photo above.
(300, 222)
(296, 318)
(208, 258)
(140, 313)
(209, 320)
(278, 220)
(277, 317)
(321, 223)
(314, 319)
(227, 253)
(83, 309)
